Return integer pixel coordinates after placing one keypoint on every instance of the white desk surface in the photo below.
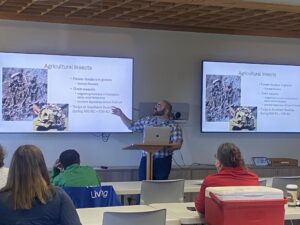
(186, 216)
(180, 211)
(292, 213)
(134, 187)
(177, 213)
(94, 216)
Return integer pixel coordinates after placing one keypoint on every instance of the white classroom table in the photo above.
(134, 187)
(177, 213)
(123, 188)
(292, 213)
(180, 211)
(94, 216)
(186, 216)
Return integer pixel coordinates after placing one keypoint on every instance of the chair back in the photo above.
(263, 182)
(162, 191)
(281, 182)
(154, 217)
(93, 196)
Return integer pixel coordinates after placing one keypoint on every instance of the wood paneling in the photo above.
(214, 16)
(191, 172)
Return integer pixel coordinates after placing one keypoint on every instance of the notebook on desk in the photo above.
(157, 135)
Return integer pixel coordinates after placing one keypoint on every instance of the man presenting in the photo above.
(162, 159)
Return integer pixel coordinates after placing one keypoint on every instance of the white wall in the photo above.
(167, 66)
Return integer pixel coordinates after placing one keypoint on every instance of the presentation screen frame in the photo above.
(244, 97)
(47, 93)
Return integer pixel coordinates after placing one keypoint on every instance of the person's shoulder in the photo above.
(173, 123)
(149, 117)
(252, 173)
(58, 192)
(170, 123)
(4, 194)
(86, 167)
(210, 177)
(142, 120)
(59, 195)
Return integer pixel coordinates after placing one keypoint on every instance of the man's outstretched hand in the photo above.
(116, 111)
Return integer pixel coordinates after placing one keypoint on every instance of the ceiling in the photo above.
(261, 17)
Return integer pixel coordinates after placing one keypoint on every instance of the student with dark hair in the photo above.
(231, 172)
(68, 172)
(69, 157)
(3, 170)
(28, 196)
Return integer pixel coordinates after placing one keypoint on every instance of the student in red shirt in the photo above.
(231, 172)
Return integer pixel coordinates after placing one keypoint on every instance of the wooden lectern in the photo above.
(150, 149)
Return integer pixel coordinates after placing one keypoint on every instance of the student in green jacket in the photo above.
(68, 172)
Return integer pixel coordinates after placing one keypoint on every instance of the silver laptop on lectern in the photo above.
(157, 135)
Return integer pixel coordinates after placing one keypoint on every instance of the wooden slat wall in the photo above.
(213, 16)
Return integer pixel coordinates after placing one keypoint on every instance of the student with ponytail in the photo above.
(231, 172)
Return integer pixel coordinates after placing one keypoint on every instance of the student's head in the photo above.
(2, 154)
(229, 155)
(163, 108)
(28, 177)
(69, 157)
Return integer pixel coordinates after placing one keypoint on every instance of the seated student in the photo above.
(68, 172)
(3, 170)
(29, 198)
(231, 172)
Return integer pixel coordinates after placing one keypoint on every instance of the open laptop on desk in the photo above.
(157, 135)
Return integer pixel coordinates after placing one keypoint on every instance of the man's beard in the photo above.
(159, 113)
